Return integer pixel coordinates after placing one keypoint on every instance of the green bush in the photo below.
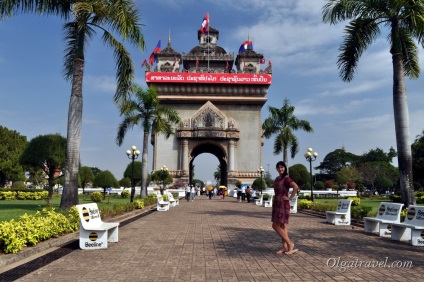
(395, 198)
(304, 204)
(31, 229)
(266, 197)
(139, 204)
(96, 197)
(420, 200)
(18, 184)
(360, 212)
(355, 200)
(165, 197)
(125, 194)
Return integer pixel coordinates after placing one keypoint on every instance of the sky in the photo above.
(357, 116)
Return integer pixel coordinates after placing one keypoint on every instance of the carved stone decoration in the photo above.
(208, 116)
(232, 124)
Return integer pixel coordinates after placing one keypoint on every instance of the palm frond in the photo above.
(359, 34)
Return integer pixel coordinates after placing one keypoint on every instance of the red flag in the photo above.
(262, 60)
(197, 62)
(228, 65)
(152, 58)
(143, 63)
(205, 24)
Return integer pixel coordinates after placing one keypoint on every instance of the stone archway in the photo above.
(212, 148)
(219, 97)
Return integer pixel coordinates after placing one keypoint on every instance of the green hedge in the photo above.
(23, 195)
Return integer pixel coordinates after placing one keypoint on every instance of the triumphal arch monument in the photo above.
(219, 97)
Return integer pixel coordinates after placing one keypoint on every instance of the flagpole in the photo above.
(209, 23)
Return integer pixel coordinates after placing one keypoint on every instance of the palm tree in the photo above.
(144, 111)
(111, 17)
(283, 123)
(405, 21)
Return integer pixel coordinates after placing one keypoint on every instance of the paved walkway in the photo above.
(222, 240)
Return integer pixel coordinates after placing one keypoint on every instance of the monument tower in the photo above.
(220, 108)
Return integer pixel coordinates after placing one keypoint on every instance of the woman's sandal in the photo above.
(280, 252)
(291, 252)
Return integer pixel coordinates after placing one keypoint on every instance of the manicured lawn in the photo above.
(15, 208)
(365, 202)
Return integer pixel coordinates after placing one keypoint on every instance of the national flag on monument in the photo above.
(262, 60)
(227, 65)
(204, 28)
(152, 58)
(197, 62)
(143, 63)
(246, 45)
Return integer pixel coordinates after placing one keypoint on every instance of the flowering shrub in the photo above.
(96, 197)
(355, 200)
(125, 194)
(328, 184)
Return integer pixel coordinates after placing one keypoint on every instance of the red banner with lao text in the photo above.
(222, 78)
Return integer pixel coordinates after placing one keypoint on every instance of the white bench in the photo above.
(172, 201)
(293, 205)
(259, 201)
(94, 233)
(341, 216)
(388, 213)
(268, 203)
(161, 204)
(412, 228)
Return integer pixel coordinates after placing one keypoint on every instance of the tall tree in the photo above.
(405, 22)
(418, 159)
(121, 18)
(86, 175)
(47, 152)
(129, 173)
(335, 161)
(283, 122)
(141, 108)
(111, 18)
(105, 179)
(11, 146)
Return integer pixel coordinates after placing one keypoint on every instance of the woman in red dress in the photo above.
(281, 207)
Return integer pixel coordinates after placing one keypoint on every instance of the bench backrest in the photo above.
(89, 215)
(344, 206)
(389, 211)
(415, 215)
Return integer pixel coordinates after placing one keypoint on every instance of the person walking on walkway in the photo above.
(239, 194)
(192, 192)
(187, 190)
(281, 207)
(243, 193)
(248, 193)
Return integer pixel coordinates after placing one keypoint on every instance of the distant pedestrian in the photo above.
(198, 192)
(187, 191)
(248, 193)
(239, 194)
(243, 193)
(192, 191)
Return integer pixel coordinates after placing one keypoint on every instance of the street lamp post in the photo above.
(261, 171)
(133, 154)
(310, 157)
(164, 173)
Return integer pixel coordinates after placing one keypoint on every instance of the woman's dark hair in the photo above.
(281, 163)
